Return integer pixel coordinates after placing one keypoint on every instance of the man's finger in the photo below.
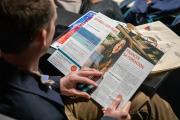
(129, 117)
(88, 73)
(85, 80)
(87, 68)
(125, 116)
(115, 102)
(126, 107)
(95, 1)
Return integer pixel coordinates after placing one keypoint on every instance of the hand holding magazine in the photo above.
(112, 47)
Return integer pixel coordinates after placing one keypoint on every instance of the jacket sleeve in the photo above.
(107, 118)
(56, 85)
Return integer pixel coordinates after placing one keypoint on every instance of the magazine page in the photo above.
(74, 27)
(166, 40)
(80, 42)
(125, 59)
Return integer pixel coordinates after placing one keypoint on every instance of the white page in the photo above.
(167, 41)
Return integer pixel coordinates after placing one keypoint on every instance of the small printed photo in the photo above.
(107, 53)
(145, 47)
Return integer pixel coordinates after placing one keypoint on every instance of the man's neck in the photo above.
(26, 62)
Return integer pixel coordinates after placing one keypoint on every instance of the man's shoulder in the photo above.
(24, 95)
(24, 105)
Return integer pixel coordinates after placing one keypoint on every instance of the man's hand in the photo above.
(68, 83)
(116, 112)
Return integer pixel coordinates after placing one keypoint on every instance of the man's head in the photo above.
(24, 21)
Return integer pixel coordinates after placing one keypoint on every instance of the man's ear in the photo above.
(42, 37)
(45, 37)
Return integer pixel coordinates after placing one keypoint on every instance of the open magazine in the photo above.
(112, 47)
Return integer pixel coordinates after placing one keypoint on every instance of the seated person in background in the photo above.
(107, 7)
(26, 30)
(75, 5)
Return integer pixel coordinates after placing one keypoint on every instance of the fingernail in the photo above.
(119, 97)
(88, 97)
(129, 102)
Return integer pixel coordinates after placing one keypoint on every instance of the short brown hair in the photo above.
(20, 21)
